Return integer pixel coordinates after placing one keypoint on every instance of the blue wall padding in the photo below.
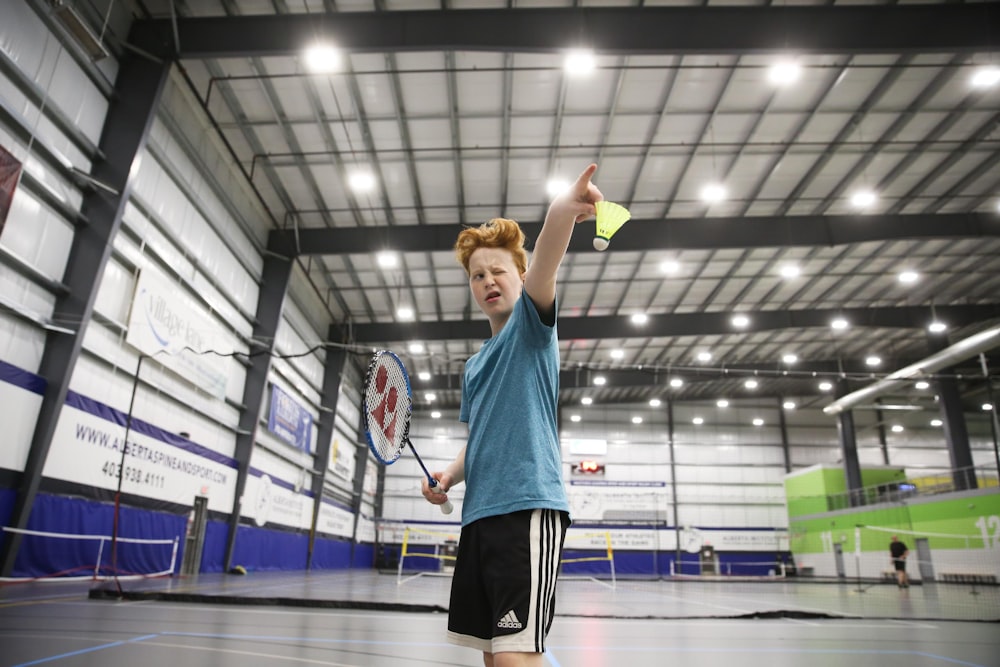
(48, 556)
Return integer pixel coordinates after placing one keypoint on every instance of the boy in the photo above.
(515, 512)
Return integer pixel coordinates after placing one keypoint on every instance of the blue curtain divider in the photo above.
(48, 556)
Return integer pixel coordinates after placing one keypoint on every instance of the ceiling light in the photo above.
(784, 73)
(937, 327)
(722, 403)
(863, 199)
(557, 186)
(825, 386)
(697, 421)
(654, 402)
(637, 420)
(897, 428)
(750, 384)
(586, 400)
(430, 397)
(575, 418)
(423, 376)
(741, 321)
(788, 405)
(839, 324)
(600, 381)
(923, 384)
(579, 63)
(639, 318)
(873, 361)
(790, 358)
(387, 260)
(985, 77)
(987, 407)
(416, 348)
(704, 356)
(404, 313)
(435, 415)
(790, 271)
(908, 277)
(361, 180)
(937, 422)
(618, 353)
(676, 383)
(670, 266)
(713, 193)
(322, 58)
(758, 421)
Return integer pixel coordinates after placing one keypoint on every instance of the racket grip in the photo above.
(446, 506)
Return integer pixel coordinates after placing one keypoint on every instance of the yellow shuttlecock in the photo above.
(610, 218)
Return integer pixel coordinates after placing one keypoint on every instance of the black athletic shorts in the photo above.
(504, 589)
(900, 563)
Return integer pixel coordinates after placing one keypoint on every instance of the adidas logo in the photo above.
(509, 620)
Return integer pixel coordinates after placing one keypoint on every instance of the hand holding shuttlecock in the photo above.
(610, 218)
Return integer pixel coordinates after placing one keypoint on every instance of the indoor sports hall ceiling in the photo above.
(794, 165)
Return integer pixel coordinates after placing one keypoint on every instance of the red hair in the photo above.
(496, 233)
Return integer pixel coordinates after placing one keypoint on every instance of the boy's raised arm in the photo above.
(572, 206)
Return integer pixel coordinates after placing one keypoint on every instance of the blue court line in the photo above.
(85, 650)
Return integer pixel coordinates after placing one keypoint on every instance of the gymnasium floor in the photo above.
(344, 619)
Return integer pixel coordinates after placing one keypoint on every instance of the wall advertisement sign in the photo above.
(165, 323)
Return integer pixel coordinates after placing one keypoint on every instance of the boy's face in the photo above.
(495, 282)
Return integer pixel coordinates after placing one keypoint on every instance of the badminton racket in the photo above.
(388, 403)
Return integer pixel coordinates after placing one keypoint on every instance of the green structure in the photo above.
(951, 535)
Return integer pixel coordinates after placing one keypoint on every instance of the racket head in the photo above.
(388, 404)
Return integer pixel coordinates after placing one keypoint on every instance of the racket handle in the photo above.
(446, 506)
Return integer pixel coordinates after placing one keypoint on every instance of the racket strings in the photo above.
(387, 407)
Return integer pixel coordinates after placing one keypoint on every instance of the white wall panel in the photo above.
(21, 344)
(24, 296)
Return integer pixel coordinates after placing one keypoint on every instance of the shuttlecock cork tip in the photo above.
(600, 243)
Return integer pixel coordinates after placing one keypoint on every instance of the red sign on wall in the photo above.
(10, 172)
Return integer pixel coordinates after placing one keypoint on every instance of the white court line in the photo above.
(255, 654)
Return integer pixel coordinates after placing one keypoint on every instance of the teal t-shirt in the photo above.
(510, 395)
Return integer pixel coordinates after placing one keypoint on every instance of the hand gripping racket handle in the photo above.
(446, 506)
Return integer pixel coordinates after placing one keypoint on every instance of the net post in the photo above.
(100, 554)
(611, 560)
(402, 556)
(173, 555)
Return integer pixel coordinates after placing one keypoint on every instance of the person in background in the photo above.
(898, 551)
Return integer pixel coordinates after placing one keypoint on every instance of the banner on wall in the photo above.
(274, 501)
(89, 448)
(605, 500)
(335, 520)
(10, 174)
(342, 461)
(167, 325)
(289, 420)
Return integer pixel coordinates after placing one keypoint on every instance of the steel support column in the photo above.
(270, 302)
(333, 374)
(849, 450)
(956, 432)
(783, 426)
(126, 129)
(883, 443)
